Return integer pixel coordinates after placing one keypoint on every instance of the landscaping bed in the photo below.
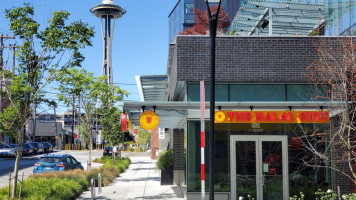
(67, 184)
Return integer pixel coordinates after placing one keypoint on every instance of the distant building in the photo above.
(46, 130)
(341, 17)
(67, 119)
(278, 17)
(182, 15)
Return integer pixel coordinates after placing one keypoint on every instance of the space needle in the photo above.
(108, 12)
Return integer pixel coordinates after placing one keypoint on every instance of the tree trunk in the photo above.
(17, 162)
(113, 156)
(90, 148)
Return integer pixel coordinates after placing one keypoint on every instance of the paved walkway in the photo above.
(140, 181)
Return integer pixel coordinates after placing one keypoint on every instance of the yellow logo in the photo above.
(219, 117)
(149, 120)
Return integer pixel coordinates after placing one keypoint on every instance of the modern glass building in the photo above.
(274, 119)
(341, 17)
(278, 17)
(182, 15)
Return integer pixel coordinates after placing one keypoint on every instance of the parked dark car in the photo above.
(27, 149)
(108, 151)
(38, 147)
(7, 150)
(56, 162)
(48, 147)
(23, 152)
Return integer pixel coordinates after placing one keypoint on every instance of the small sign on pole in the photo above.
(161, 133)
(136, 131)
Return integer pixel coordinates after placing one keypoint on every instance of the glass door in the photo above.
(259, 167)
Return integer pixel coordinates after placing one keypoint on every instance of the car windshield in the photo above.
(50, 160)
(4, 146)
(34, 144)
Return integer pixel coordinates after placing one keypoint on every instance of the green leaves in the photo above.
(21, 21)
(111, 125)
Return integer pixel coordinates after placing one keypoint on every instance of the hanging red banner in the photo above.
(123, 122)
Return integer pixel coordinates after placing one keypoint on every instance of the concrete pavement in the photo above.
(140, 181)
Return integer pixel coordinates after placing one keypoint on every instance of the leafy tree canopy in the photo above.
(201, 26)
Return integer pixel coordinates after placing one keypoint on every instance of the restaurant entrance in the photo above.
(259, 166)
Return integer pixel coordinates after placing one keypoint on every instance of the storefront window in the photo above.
(257, 93)
(221, 92)
(307, 172)
(222, 170)
(307, 92)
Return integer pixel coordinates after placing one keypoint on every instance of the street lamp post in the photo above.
(213, 22)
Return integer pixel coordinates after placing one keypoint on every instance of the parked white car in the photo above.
(7, 151)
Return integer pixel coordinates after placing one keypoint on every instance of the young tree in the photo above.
(41, 54)
(201, 26)
(336, 71)
(89, 89)
(110, 121)
(111, 127)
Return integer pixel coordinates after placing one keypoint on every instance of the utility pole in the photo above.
(34, 124)
(13, 47)
(79, 117)
(2, 37)
(73, 122)
(55, 124)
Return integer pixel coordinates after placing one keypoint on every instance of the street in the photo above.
(27, 163)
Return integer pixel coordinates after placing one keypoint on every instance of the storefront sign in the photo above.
(149, 120)
(271, 116)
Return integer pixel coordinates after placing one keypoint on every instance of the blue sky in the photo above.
(140, 44)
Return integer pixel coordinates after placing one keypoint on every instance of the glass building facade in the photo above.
(267, 92)
(301, 177)
(181, 17)
(341, 17)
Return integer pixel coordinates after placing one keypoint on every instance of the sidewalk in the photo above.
(140, 181)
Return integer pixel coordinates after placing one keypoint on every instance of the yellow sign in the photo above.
(149, 120)
(271, 116)
(56, 137)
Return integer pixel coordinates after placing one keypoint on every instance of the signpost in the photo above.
(202, 137)
(136, 131)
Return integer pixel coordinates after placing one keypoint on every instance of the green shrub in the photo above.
(67, 184)
(349, 196)
(35, 188)
(328, 195)
(165, 160)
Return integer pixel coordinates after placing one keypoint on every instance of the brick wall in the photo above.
(244, 59)
(178, 149)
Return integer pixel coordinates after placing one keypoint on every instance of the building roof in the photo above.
(152, 88)
(289, 17)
